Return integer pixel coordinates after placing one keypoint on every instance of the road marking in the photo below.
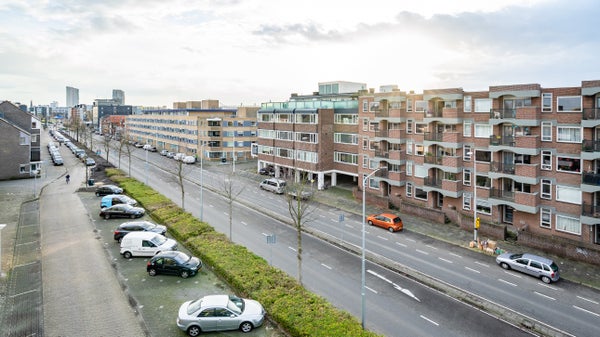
(456, 255)
(292, 248)
(348, 225)
(547, 286)
(372, 290)
(401, 244)
(585, 310)
(546, 296)
(587, 299)
(512, 274)
(422, 252)
(473, 270)
(326, 266)
(397, 287)
(432, 247)
(429, 320)
(411, 240)
(445, 260)
(482, 264)
(243, 223)
(509, 283)
(382, 238)
(321, 215)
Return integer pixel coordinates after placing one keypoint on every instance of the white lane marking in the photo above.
(587, 299)
(509, 283)
(546, 296)
(482, 264)
(382, 238)
(588, 311)
(321, 215)
(411, 240)
(445, 260)
(292, 248)
(326, 266)
(548, 286)
(349, 226)
(456, 255)
(243, 223)
(333, 220)
(429, 320)
(512, 274)
(432, 247)
(473, 270)
(372, 290)
(422, 252)
(401, 244)
(265, 234)
(397, 287)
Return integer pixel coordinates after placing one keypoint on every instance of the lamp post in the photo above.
(362, 285)
(201, 181)
(146, 168)
(1, 227)
(233, 152)
(474, 180)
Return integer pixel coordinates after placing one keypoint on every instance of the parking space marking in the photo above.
(455, 255)
(411, 240)
(349, 226)
(372, 290)
(512, 274)
(432, 247)
(382, 238)
(326, 266)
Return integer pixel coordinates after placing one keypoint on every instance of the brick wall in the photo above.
(562, 247)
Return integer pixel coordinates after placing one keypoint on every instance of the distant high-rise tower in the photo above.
(119, 96)
(72, 97)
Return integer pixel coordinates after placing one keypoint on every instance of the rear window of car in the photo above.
(397, 219)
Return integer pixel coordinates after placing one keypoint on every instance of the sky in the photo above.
(247, 52)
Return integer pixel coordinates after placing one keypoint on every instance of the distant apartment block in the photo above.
(118, 96)
(72, 97)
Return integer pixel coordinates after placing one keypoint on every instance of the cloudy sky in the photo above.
(253, 51)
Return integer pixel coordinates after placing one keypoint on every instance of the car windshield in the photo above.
(194, 306)
(182, 258)
(158, 240)
(516, 256)
(148, 225)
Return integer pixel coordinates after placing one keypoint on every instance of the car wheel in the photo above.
(120, 239)
(185, 274)
(246, 327)
(504, 265)
(97, 194)
(127, 255)
(370, 222)
(106, 216)
(194, 331)
(546, 279)
(152, 272)
(391, 229)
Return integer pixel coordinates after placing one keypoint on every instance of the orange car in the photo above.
(389, 221)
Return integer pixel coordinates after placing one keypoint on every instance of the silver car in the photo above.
(220, 313)
(537, 266)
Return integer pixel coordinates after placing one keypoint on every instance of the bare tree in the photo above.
(125, 147)
(231, 193)
(299, 197)
(107, 144)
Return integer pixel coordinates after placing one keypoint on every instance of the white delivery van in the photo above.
(274, 185)
(145, 244)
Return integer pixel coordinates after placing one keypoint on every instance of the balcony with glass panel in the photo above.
(590, 149)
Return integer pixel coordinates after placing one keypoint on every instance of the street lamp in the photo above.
(146, 168)
(362, 286)
(1, 227)
(233, 153)
(474, 182)
(201, 182)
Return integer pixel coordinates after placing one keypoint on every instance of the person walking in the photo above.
(68, 177)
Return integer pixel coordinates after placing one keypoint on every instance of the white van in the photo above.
(145, 244)
(274, 185)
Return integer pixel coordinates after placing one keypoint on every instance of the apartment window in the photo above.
(546, 131)
(283, 118)
(345, 158)
(420, 106)
(347, 119)
(545, 217)
(546, 189)
(307, 156)
(467, 177)
(450, 104)
(365, 124)
(373, 126)
(268, 150)
(373, 184)
(409, 168)
(483, 156)
(309, 137)
(420, 128)
(522, 187)
(420, 194)
(374, 164)
(285, 135)
(365, 106)
(522, 159)
(467, 152)
(483, 207)
(568, 134)
(409, 103)
(23, 138)
(365, 160)
(568, 224)
(409, 126)
(466, 201)
(421, 171)
(567, 164)
(365, 143)
(483, 130)
(419, 150)
(483, 105)
(467, 129)
(546, 102)
(467, 104)
(306, 118)
(409, 147)
(571, 195)
(345, 138)
(483, 181)
(285, 153)
(374, 106)
(546, 160)
(393, 168)
(409, 190)
(568, 103)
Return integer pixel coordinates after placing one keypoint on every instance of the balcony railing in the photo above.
(381, 133)
(591, 113)
(433, 182)
(433, 136)
(382, 154)
(590, 210)
(502, 194)
(503, 113)
(431, 159)
(590, 145)
(502, 140)
(590, 178)
(502, 167)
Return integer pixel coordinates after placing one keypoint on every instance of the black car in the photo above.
(173, 263)
(268, 170)
(122, 211)
(138, 226)
(108, 189)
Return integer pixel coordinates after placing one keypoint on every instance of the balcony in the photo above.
(590, 210)
(435, 160)
(381, 133)
(433, 136)
(382, 154)
(502, 141)
(503, 113)
(502, 194)
(591, 114)
(502, 167)
(590, 145)
(433, 182)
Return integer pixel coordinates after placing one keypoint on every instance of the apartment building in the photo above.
(19, 142)
(312, 137)
(526, 157)
(197, 128)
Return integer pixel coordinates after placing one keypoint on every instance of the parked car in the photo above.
(108, 189)
(145, 244)
(537, 266)
(137, 226)
(116, 199)
(163, 152)
(231, 312)
(138, 145)
(57, 160)
(189, 159)
(303, 194)
(173, 263)
(122, 211)
(149, 147)
(273, 185)
(170, 154)
(90, 161)
(268, 170)
(179, 156)
(388, 221)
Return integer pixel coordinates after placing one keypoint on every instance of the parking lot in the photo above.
(158, 298)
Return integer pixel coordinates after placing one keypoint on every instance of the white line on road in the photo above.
(422, 252)
(473, 270)
(349, 226)
(509, 283)
(432, 247)
(512, 274)
(321, 215)
(429, 320)
(326, 266)
(245, 224)
(382, 238)
(401, 244)
(585, 310)
(546, 296)
(411, 240)
(587, 299)
(456, 255)
(548, 286)
(482, 264)
(373, 290)
(445, 260)
(292, 248)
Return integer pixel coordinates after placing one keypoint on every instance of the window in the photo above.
(483, 130)
(282, 118)
(568, 224)
(483, 105)
(374, 106)
(566, 164)
(420, 128)
(483, 156)
(309, 137)
(467, 129)
(409, 147)
(522, 187)
(546, 189)
(307, 156)
(365, 160)
(349, 119)
(450, 104)
(284, 135)
(23, 138)
(546, 102)
(419, 150)
(546, 160)
(546, 131)
(421, 171)
(285, 153)
(365, 143)
(365, 124)
(467, 104)
(466, 201)
(545, 217)
(409, 106)
(483, 207)
(420, 194)
(365, 106)
(467, 177)
(420, 106)
(373, 184)
(306, 118)
(345, 138)
(568, 194)
(345, 158)
(482, 181)
(568, 134)
(409, 126)
(467, 152)
(409, 168)
(568, 103)
(409, 190)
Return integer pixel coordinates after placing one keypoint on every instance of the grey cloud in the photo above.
(310, 32)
